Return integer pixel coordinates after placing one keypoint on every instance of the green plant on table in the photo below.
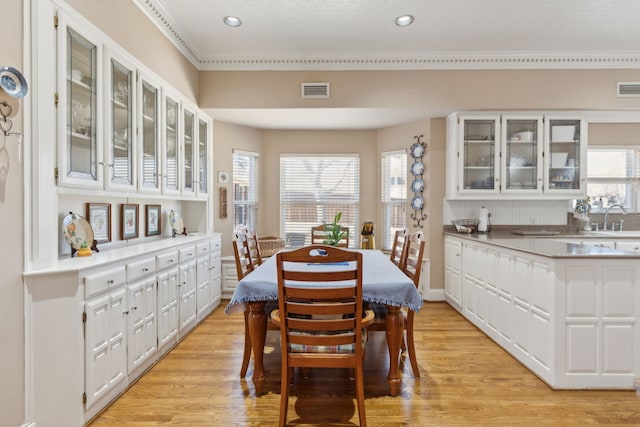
(334, 231)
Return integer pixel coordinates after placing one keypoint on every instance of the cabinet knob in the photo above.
(145, 269)
(110, 282)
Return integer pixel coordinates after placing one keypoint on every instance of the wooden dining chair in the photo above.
(410, 262)
(412, 267)
(253, 245)
(319, 235)
(244, 266)
(321, 315)
(398, 247)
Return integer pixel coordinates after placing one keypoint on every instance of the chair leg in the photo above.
(247, 346)
(411, 345)
(360, 395)
(285, 381)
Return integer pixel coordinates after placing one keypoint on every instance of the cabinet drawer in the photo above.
(138, 269)
(187, 253)
(216, 245)
(202, 248)
(99, 282)
(167, 259)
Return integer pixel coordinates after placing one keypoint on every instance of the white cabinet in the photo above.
(629, 246)
(149, 103)
(167, 263)
(142, 330)
(170, 152)
(205, 126)
(515, 156)
(215, 272)
(229, 276)
(565, 155)
(105, 333)
(187, 288)
(203, 280)
(452, 269)
(189, 147)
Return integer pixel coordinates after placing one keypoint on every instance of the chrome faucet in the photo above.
(606, 213)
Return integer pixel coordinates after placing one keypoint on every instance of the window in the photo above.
(393, 195)
(313, 188)
(613, 177)
(245, 188)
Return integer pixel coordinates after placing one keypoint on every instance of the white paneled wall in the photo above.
(510, 212)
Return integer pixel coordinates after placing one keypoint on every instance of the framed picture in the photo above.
(128, 221)
(153, 223)
(99, 216)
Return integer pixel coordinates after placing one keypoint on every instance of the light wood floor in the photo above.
(467, 380)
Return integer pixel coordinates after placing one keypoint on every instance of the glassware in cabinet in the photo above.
(79, 157)
(565, 152)
(189, 126)
(522, 154)
(479, 154)
(170, 173)
(203, 151)
(149, 136)
(120, 129)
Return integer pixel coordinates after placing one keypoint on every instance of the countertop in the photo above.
(552, 246)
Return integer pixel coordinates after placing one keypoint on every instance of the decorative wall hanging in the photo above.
(417, 151)
(223, 202)
(99, 217)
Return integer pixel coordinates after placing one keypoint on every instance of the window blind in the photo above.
(245, 188)
(393, 195)
(313, 188)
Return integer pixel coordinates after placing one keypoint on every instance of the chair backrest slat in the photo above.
(244, 265)
(414, 253)
(399, 247)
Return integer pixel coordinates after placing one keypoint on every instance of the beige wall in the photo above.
(446, 91)
(226, 138)
(614, 134)
(12, 388)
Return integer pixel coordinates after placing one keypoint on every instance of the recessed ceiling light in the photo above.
(232, 21)
(404, 20)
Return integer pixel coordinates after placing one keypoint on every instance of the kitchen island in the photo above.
(567, 310)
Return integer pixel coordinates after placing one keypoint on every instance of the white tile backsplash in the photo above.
(510, 212)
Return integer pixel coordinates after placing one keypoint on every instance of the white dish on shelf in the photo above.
(563, 133)
(559, 160)
(524, 136)
(77, 231)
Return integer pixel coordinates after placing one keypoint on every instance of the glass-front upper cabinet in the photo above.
(565, 155)
(120, 129)
(479, 154)
(189, 160)
(149, 135)
(203, 156)
(522, 145)
(170, 170)
(79, 98)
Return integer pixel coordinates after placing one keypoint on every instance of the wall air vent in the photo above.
(629, 89)
(315, 90)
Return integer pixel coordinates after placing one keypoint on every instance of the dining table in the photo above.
(382, 282)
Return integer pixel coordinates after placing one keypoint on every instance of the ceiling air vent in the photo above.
(629, 89)
(315, 90)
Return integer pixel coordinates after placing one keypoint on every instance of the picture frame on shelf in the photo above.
(99, 217)
(153, 223)
(128, 221)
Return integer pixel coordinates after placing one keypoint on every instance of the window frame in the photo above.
(632, 181)
(387, 232)
(297, 235)
(251, 202)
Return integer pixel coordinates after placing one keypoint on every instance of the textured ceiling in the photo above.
(362, 35)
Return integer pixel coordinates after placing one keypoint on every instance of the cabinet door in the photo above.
(565, 154)
(149, 135)
(203, 296)
(479, 154)
(170, 173)
(167, 306)
(119, 124)
(105, 346)
(203, 158)
(452, 277)
(215, 278)
(141, 322)
(521, 155)
(189, 149)
(187, 286)
(80, 96)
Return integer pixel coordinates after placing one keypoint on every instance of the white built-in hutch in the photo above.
(106, 130)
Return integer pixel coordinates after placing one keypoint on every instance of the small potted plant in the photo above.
(334, 231)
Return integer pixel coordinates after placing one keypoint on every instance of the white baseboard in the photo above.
(433, 295)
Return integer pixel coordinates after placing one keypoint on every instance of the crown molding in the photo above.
(385, 61)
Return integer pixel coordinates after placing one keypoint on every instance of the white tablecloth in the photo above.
(382, 282)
